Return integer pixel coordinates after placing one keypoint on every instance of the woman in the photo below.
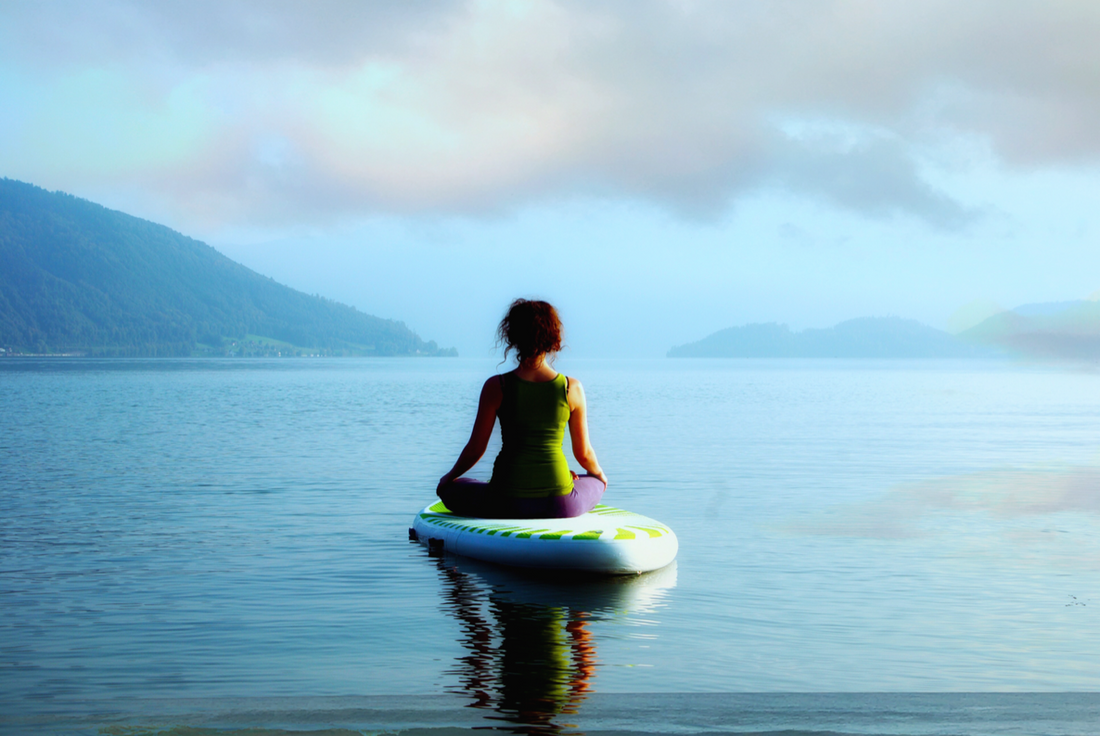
(531, 477)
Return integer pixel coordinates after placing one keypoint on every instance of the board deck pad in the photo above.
(605, 540)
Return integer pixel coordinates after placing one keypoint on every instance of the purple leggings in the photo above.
(469, 497)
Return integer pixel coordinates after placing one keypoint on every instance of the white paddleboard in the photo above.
(606, 540)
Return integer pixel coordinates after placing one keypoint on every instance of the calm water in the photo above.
(223, 544)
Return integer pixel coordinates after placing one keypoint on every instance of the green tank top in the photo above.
(532, 416)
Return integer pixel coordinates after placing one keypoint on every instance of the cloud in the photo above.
(876, 177)
(260, 111)
(1002, 494)
(197, 33)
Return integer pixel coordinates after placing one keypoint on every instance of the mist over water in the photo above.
(187, 542)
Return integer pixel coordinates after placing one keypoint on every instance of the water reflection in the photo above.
(530, 647)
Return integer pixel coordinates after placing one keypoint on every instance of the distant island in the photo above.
(78, 278)
(1051, 331)
(867, 337)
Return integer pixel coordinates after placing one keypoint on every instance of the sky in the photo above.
(658, 170)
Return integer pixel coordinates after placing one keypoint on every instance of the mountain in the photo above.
(867, 337)
(78, 277)
(1054, 330)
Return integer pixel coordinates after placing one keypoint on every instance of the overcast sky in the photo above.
(660, 170)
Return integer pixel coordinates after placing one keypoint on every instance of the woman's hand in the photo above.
(447, 478)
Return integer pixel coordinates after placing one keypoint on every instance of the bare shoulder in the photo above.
(576, 391)
(492, 388)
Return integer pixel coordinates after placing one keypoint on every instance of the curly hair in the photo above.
(531, 328)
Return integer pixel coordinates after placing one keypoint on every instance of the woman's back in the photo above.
(533, 416)
(534, 404)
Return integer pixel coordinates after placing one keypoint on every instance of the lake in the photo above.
(865, 547)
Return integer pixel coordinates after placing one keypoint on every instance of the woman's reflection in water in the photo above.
(530, 654)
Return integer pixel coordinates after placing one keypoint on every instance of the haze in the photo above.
(660, 170)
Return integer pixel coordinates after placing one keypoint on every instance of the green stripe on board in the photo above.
(594, 534)
(608, 510)
(523, 531)
(624, 534)
(650, 531)
(505, 530)
(614, 512)
(554, 535)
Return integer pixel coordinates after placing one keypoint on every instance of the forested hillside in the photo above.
(75, 276)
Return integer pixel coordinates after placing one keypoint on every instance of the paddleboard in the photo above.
(606, 540)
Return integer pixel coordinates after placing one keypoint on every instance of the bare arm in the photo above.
(483, 429)
(578, 431)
